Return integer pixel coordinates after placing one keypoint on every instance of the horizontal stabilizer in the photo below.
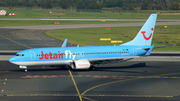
(150, 50)
(165, 46)
(146, 48)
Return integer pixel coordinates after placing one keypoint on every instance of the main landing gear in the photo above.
(92, 68)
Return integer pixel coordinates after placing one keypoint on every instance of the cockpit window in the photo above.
(20, 55)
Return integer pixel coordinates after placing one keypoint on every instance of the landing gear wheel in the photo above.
(92, 68)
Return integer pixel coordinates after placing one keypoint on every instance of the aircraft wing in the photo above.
(109, 60)
(65, 42)
(152, 47)
(165, 46)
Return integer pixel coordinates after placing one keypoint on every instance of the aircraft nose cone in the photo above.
(13, 59)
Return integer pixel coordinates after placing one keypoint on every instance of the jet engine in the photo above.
(80, 64)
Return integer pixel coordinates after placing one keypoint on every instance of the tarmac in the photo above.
(147, 78)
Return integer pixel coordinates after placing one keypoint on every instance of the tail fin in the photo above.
(144, 37)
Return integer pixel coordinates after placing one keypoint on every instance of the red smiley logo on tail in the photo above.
(147, 38)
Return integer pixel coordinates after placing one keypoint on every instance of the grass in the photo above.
(68, 14)
(47, 22)
(91, 36)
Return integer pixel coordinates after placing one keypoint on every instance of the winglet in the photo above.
(149, 51)
(65, 42)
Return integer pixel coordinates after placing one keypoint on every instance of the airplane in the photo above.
(86, 57)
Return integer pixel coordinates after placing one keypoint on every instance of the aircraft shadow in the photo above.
(138, 65)
(121, 68)
(118, 68)
(42, 69)
(98, 69)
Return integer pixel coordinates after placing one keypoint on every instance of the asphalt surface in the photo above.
(126, 81)
(20, 39)
(75, 26)
(152, 78)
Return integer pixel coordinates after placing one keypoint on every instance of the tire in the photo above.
(92, 68)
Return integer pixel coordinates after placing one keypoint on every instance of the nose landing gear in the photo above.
(25, 70)
(23, 67)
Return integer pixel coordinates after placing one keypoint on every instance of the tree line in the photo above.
(96, 4)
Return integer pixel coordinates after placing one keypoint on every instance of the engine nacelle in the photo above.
(80, 64)
(23, 67)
